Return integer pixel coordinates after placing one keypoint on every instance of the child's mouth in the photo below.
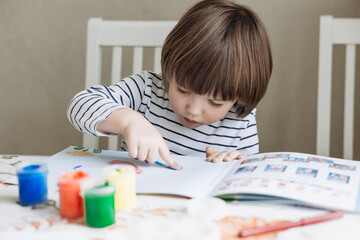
(190, 121)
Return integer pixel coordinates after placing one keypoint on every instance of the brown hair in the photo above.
(222, 49)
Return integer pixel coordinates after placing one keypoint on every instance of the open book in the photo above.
(289, 177)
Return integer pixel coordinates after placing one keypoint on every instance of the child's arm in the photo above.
(144, 142)
(95, 104)
(102, 111)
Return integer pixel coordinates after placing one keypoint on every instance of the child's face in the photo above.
(195, 110)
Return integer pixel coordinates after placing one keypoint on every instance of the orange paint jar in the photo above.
(71, 201)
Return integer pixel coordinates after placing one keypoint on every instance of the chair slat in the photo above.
(324, 87)
(138, 59)
(113, 142)
(116, 65)
(93, 70)
(349, 101)
(157, 60)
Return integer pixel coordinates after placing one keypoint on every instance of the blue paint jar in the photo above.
(32, 184)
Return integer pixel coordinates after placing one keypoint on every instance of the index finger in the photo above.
(165, 155)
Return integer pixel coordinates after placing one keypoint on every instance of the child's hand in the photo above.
(144, 142)
(213, 156)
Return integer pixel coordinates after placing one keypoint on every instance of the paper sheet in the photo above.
(195, 179)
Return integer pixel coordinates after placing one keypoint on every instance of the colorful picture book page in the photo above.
(309, 179)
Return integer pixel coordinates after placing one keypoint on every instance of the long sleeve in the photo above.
(93, 105)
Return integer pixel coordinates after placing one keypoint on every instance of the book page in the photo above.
(196, 179)
(319, 181)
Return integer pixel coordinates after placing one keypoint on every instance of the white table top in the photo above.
(156, 217)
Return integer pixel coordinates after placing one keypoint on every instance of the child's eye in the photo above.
(215, 104)
(182, 91)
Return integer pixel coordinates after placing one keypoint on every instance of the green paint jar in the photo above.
(99, 206)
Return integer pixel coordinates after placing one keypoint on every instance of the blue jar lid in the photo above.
(32, 169)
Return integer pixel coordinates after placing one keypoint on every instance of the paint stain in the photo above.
(116, 226)
(5, 184)
(79, 166)
(137, 170)
(81, 153)
(36, 225)
(230, 226)
(50, 221)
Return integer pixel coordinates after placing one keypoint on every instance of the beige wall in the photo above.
(42, 65)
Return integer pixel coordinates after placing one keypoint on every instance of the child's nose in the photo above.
(193, 107)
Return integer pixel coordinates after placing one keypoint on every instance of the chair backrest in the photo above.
(344, 31)
(119, 34)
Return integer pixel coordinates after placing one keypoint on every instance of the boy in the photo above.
(216, 64)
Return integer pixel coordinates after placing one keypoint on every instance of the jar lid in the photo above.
(100, 190)
(71, 178)
(32, 169)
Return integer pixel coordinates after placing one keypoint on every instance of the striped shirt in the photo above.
(145, 93)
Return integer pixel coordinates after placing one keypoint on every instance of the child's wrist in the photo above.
(123, 118)
(116, 122)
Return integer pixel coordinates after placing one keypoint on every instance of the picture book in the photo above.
(297, 178)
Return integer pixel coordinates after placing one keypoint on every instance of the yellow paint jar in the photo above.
(124, 180)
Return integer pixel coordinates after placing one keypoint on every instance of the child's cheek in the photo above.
(176, 106)
(214, 115)
(211, 118)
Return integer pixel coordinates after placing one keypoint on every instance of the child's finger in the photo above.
(209, 150)
(152, 155)
(233, 155)
(165, 155)
(222, 156)
(132, 150)
(210, 157)
(217, 157)
(142, 153)
(240, 156)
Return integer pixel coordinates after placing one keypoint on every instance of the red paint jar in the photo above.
(71, 201)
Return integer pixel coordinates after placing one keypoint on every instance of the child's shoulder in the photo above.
(149, 75)
(150, 78)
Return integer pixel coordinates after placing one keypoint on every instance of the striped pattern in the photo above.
(145, 93)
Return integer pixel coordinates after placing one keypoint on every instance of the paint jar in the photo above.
(99, 205)
(32, 184)
(71, 201)
(124, 180)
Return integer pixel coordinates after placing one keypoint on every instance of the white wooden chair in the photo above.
(336, 31)
(119, 34)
